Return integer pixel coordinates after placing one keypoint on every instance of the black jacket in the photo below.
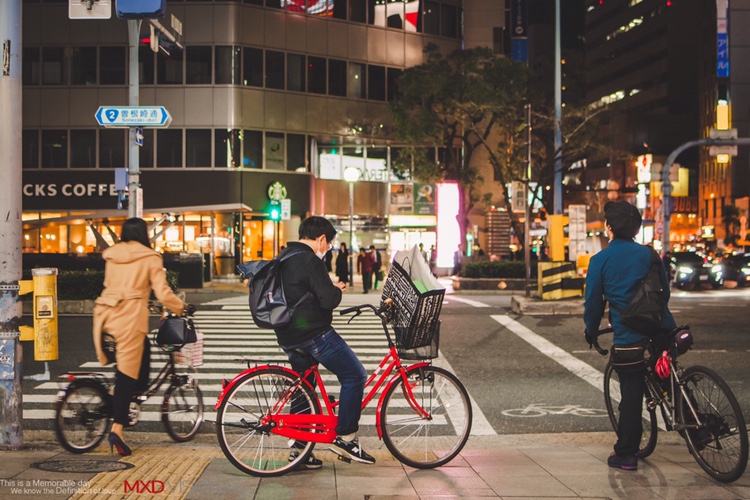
(302, 273)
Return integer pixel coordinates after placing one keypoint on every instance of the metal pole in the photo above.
(11, 354)
(351, 233)
(527, 209)
(134, 203)
(557, 191)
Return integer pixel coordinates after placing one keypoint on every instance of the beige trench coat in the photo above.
(131, 272)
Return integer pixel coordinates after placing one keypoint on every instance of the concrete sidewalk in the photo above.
(515, 466)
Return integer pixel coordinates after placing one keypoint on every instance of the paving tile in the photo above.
(534, 486)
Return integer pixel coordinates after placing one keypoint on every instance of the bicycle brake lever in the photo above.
(355, 315)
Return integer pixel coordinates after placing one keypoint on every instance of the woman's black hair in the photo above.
(135, 229)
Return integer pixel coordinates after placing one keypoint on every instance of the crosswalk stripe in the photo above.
(229, 336)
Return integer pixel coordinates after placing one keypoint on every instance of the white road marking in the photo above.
(474, 303)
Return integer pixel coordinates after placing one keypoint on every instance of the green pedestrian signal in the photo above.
(274, 210)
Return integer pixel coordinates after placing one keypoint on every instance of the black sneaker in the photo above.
(351, 449)
(311, 463)
(624, 463)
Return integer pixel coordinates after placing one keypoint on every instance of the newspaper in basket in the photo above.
(191, 354)
(418, 299)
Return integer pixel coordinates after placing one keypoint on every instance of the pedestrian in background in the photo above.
(613, 276)
(433, 260)
(132, 269)
(377, 266)
(342, 264)
(329, 260)
(365, 262)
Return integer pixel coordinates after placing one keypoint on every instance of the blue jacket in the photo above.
(613, 276)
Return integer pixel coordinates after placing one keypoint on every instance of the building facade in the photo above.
(268, 100)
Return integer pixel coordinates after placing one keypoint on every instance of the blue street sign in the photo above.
(138, 136)
(133, 116)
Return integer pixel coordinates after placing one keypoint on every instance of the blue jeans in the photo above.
(330, 350)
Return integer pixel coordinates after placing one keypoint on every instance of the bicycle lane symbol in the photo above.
(541, 410)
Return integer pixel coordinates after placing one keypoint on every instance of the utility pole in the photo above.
(135, 203)
(557, 189)
(527, 208)
(11, 355)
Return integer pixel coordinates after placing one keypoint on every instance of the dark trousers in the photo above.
(630, 426)
(125, 386)
(367, 280)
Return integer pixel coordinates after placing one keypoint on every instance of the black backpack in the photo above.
(645, 310)
(268, 303)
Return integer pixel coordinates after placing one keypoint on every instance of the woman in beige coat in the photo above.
(132, 270)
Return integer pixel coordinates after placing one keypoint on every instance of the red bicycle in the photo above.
(269, 417)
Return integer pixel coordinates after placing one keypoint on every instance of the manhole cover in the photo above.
(82, 466)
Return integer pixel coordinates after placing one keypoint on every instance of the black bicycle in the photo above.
(83, 411)
(694, 401)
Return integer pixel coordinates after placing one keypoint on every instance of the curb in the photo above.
(537, 307)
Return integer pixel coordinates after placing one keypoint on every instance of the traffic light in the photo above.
(274, 210)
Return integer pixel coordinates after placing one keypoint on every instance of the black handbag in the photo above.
(176, 330)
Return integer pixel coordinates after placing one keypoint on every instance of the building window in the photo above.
(295, 153)
(197, 148)
(112, 65)
(431, 18)
(228, 59)
(53, 66)
(83, 148)
(112, 148)
(145, 65)
(169, 148)
(169, 68)
(252, 149)
(146, 152)
(274, 70)
(295, 73)
(448, 21)
(228, 148)
(252, 67)
(339, 9)
(83, 66)
(198, 65)
(275, 151)
(358, 11)
(376, 83)
(31, 65)
(337, 77)
(355, 82)
(30, 154)
(392, 84)
(274, 4)
(54, 148)
(316, 75)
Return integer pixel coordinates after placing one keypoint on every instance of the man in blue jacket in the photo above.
(613, 276)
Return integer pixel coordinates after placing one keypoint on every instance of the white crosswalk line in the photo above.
(230, 338)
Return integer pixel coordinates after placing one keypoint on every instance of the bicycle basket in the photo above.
(406, 350)
(191, 354)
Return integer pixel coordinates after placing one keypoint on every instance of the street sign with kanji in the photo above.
(133, 116)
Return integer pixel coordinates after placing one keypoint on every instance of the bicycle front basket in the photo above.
(424, 351)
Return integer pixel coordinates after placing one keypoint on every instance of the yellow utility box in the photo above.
(44, 332)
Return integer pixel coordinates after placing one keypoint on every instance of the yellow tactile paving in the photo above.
(166, 473)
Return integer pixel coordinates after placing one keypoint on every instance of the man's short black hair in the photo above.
(314, 227)
(624, 219)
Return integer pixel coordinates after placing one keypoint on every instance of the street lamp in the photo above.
(351, 175)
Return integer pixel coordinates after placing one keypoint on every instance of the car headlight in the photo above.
(746, 270)
(716, 268)
(685, 270)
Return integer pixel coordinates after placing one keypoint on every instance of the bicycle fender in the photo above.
(237, 377)
(394, 379)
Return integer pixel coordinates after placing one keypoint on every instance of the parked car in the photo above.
(694, 269)
(737, 268)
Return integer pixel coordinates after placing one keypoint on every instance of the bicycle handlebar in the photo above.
(387, 304)
(595, 341)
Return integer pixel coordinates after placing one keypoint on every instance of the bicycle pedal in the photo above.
(331, 399)
(344, 459)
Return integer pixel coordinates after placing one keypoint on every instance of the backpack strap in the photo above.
(286, 255)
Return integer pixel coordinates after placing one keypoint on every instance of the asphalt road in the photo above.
(518, 369)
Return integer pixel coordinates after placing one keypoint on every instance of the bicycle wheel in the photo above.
(81, 418)
(425, 443)
(182, 409)
(612, 401)
(248, 444)
(719, 444)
